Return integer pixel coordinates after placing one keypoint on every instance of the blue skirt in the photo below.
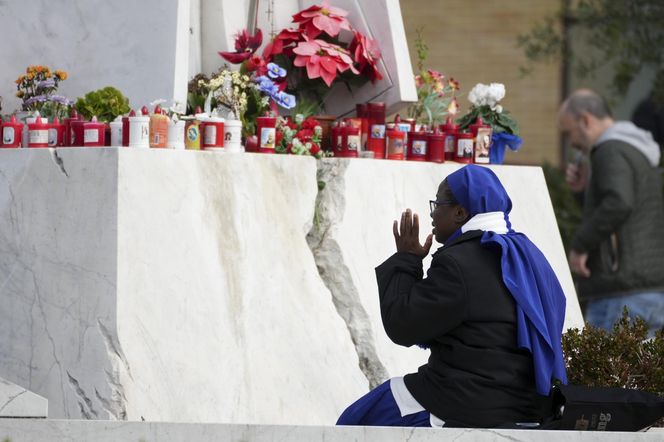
(379, 408)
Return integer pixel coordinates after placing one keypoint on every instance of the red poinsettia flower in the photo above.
(322, 18)
(245, 46)
(367, 54)
(322, 59)
(283, 42)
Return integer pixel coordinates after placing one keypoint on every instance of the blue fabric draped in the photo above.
(500, 142)
(540, 301)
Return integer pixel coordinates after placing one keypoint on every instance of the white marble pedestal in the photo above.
(208, 287)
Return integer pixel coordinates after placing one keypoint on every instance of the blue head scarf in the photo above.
(540, 301)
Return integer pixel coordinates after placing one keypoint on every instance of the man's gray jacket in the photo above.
(623, 216)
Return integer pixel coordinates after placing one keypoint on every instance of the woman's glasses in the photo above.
(433, 204)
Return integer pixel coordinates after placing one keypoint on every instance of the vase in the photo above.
(326, 122)
(233, 135)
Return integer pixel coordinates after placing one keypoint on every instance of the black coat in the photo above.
(476, 376)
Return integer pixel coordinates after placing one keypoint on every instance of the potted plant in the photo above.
(37, 89)
(106, 104)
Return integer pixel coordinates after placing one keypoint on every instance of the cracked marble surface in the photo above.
(132, 281)
(135, 281)
(360, 200)
(16, 401)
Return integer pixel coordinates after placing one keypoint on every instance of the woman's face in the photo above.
(446, 217)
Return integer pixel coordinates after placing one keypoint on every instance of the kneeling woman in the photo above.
(490, 309)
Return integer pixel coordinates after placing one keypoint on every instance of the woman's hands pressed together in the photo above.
(407, 235)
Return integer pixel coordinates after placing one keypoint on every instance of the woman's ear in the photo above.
(461, 215)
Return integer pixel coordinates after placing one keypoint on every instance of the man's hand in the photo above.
(576, 176)
(407, 235)
(577, 262)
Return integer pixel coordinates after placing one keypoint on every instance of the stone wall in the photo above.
(211, 287)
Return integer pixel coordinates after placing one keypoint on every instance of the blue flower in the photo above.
(284, 100)
(275, 71)
(266, 85)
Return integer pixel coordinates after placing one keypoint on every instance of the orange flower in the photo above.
(20, 94)
(62, 75)
(38, 69)
(31, 76)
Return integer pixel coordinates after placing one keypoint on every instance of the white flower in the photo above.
(490, 95)
(498, 109)
(177, 108)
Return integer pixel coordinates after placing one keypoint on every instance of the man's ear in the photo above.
(584, 120)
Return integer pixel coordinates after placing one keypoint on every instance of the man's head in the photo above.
(583, 117)
(448, 215)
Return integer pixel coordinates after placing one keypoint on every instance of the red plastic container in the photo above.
(417, 146)
(465, 147)
(395, 141)
(436, 144)
(376, 139)
(56, 133)
(125, 128)
(337, 139)
(361, 110)
(93, 133)
(38, 133)
(267, 134)
(76, 133)
(213, 133)
(12, 133)
(349, 141)
(450, 130)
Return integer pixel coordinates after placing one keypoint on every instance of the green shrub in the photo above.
(106, 104)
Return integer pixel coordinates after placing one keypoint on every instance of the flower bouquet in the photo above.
(485, 106)
(299, 136)
(37, 87)
(244, 94)
(436, 96)
(316, 53)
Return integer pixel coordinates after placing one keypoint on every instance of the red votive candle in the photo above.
(417, 146)
(436, 145)
(465, 147)
(267, 133)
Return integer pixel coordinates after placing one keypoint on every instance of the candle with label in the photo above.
(266, 132)
(38, 133)
(465, 147)
(139, 131)
(376, 120)
(12, 133)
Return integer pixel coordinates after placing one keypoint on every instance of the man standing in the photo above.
(618, 250)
